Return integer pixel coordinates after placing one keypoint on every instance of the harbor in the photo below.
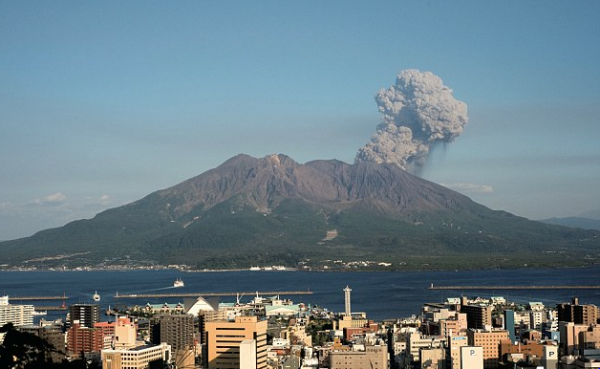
(210, 294)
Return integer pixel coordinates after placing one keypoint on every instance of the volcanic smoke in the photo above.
(418, 112)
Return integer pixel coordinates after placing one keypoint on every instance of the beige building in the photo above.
(432, 358)
(590, 339)
(489, 341)
(471, 357)
(373, 357)
(416, 342)
(125, 334)
(454, 325)
(454, 343)
(248, 354)
(225, 337)
(569, 336)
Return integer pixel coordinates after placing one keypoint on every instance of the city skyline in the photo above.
(105, 103)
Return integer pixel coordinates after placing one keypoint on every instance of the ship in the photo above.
(96, 297)
(178, 283)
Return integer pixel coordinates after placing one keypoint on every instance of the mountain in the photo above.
(576, 222)
(273, 210)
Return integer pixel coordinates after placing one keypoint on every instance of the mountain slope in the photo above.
(577, 222)
(274, 210)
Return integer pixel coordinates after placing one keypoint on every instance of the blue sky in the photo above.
(102, 103)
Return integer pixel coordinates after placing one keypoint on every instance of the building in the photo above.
(108, 333)
(471, 357)
(85, 314)
(509, 324)
(18, 315)
(550, 357)
(177, 330)
(531, 348)
(489, 341)
(125, 334)
(82, 341)
(432, 358)
(569, 336)
(478, 316)
(590, 339)
(139, 357)
(373, 357)
(248, 354)
(224, 339)
(454, 344)
(578, 314)
(415, 342)
(54, 336)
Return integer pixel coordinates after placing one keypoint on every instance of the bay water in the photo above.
(382, 295)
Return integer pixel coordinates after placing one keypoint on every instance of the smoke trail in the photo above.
(418, 111)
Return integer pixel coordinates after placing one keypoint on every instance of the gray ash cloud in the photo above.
(418, 112)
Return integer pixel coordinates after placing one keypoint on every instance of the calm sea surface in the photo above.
(382, 295)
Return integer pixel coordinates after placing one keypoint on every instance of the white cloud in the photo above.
(50, 211)
(469, 187)
(53, 199)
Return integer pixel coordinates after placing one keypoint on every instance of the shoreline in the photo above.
(340, 270)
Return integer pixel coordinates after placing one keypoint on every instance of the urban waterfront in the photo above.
(382, 295)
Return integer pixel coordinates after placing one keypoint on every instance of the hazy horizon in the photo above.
(104, 103)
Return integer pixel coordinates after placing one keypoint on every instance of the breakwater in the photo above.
(210, 294)
(592, 287)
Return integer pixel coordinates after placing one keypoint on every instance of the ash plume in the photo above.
(418, 112)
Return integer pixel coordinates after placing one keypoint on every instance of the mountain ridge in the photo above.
(273, 209)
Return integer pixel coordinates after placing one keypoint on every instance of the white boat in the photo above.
(36, 313)
(96, 297)
(178, 283)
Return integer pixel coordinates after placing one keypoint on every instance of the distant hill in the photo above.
(576, 222)
(273, 210)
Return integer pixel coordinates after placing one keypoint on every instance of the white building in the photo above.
(471, 357)
(18, 315)
(135, 358)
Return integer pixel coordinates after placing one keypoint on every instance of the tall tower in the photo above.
(347, 291)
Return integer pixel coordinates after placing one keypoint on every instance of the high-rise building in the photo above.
(490, 342)
(224, 339)
(86, 314)
(478, 316)
(578, 314)
(83, 340)
(509, 325)
(177, 330)
(18, 315)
